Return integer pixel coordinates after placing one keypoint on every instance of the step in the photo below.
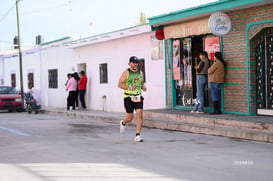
(208, 120)
(86, 115)
(186, 123)
(209, 130)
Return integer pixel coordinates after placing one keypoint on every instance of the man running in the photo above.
(132, 82)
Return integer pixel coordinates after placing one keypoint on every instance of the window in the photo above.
(13, 80)
(103, 73)
(53, 78)
(30, 80)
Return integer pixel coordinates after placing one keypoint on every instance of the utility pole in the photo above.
(20, 52)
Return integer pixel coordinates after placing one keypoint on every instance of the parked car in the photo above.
(9, 99)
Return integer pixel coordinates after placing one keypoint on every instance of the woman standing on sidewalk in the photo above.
(216, 78)
(76, 76)
(71, 87)
(202, 80)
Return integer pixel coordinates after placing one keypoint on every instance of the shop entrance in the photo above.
(264, 75)
(185, 57)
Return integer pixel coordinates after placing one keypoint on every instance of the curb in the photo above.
(186, 123)
(256, 131)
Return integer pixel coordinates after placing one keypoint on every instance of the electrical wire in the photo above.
(7, 13)
(6, 42)
(45, 10)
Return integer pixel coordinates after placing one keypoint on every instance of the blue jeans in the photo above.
(214, 89)
(200, 96)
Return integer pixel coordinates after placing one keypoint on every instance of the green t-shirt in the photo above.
(133, 78)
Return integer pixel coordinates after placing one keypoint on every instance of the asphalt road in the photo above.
(50, 148)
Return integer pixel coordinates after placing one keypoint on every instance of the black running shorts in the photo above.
(130, 105)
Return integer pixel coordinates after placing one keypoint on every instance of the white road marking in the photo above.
(14, 131)
(79, 172)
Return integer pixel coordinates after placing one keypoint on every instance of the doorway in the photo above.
(264, 75)
(185, 57)
(81, 67)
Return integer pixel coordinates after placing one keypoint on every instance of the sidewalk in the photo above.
(258, 128)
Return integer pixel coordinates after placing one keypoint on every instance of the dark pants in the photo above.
(76, 99)
(71, 99)
(82, 98)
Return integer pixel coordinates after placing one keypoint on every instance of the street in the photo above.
(41, 147)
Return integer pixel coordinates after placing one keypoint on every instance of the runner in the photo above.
(132, 82)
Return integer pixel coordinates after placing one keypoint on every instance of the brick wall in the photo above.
(168, 58)
(235, 53)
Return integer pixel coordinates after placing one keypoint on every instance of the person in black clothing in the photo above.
(76, 76)
(202, 80)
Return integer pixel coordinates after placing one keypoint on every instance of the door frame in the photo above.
(251, 33)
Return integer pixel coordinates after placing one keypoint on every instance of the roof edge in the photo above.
(198, 11)
(107, 33)
(55, 41)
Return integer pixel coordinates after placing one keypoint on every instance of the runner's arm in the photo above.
(122, 80)
(143, 87)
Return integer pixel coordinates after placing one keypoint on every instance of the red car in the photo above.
(9, 99)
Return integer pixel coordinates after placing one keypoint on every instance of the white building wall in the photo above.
(38, 61)
(66, 59)
(2, 69)
(60, 58)
(11, 65)
(116, 54)
(31, 63)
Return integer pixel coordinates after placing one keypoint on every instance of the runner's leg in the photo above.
(139, 113)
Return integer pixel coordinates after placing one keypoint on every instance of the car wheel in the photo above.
(20, 110)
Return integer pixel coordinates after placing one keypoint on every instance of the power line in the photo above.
(7, 13)
(6, 42)
(45, 10)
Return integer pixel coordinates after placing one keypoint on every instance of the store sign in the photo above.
(212, 45)
(219, 24)
(189, 28)
(176, 60)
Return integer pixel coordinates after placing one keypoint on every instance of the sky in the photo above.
(55, 19)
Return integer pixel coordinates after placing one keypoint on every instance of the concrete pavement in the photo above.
(61, 148)
(258, 128)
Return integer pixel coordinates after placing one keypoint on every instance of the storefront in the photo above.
(246, 47)
(189, 39)
(184, 42)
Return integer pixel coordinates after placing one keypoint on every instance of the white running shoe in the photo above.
(121, 128)
(138, 139)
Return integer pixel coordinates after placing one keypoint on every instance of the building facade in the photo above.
(246, 48)
(103, 58)
(10, 71)
(57, 62)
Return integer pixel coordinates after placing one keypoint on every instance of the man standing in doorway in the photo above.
(132, 82)
(82, 89)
